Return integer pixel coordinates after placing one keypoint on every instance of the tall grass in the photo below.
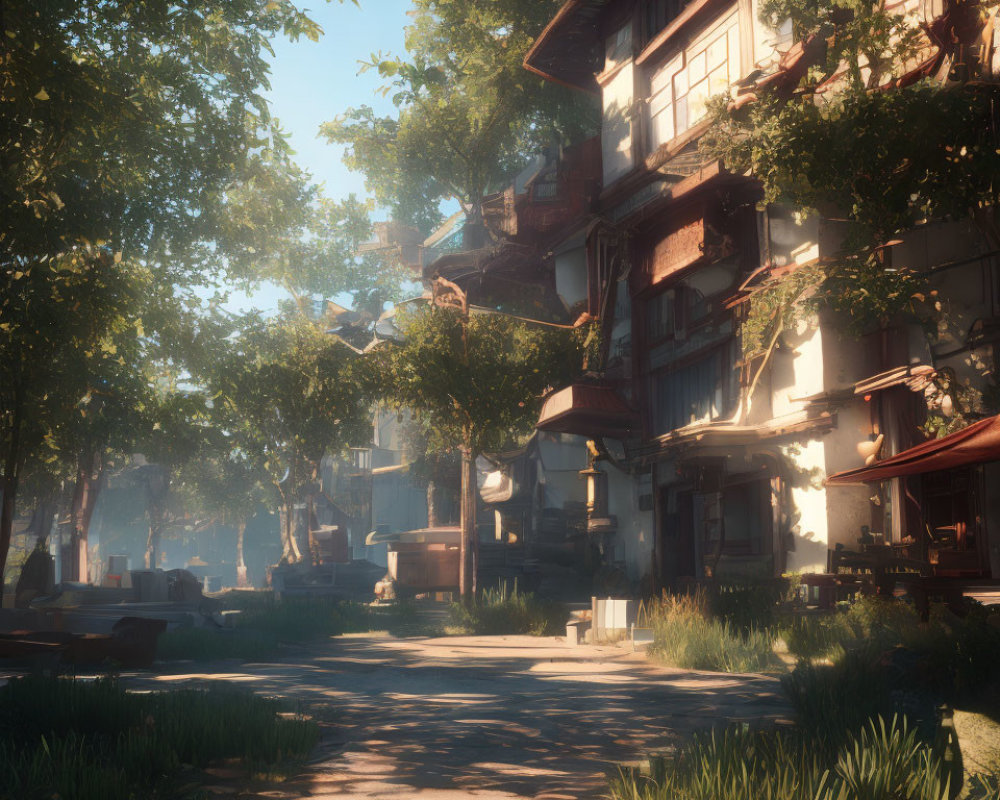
(93, 740)
(685, 635)
(507, 611)
(884, 761)
(950, 656)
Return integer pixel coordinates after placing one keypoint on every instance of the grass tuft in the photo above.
(686, 636)
(507, 611)
(884, 760)
(93, 740)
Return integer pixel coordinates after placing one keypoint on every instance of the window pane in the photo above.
(718, 81)
(717, 52)
(660, 316)
(697, 67)
(694, 393)
(662, 127)
(680, 83)
(681, 115)
(697, 98)
(734, 51)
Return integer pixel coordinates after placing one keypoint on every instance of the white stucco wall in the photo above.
(616, 128)
(635, 537)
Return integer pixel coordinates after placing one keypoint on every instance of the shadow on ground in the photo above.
(486, 717)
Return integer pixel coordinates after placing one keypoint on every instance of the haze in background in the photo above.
(312, 82)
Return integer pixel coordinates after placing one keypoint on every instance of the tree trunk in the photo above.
(89, 475)
(432, 512)
(241, 564)
(468, 551)
(474, 229)
(158, 488)
(153, 543)
(9, 487)
(290, 552)
(310, 538)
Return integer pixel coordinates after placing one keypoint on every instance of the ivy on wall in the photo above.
(883, 131)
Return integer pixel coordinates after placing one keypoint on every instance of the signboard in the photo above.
(681, 246)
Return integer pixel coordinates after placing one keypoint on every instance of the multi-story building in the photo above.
(715, 464)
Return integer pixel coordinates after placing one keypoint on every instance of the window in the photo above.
(674, 312)
(701, 391)
(618, 47)
(746, 510)
(679, 91)
(545, 187)
(660, 316)
(656, 15)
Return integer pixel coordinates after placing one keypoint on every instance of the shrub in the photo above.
(504, 611)
(884, 760)
(93, 740)
(685, 636)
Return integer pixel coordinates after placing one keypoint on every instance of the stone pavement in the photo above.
(492, 718)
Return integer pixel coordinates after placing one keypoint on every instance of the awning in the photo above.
(588, 410)
(976, 444)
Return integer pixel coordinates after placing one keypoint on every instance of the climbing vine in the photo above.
(865, 137)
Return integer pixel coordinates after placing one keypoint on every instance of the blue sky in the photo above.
(313, 82)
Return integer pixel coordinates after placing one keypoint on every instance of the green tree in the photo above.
(64, 382)
(287, 395)
(179, 430)
(431, 461)
(136, 147)
(476, 384)
(334, 264)
(468, 116)
(225, 486)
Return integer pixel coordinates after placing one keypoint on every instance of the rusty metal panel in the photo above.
(424, 567)
(680, 247)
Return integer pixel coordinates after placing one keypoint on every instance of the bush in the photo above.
(685, 636)
(93, 740)
(883, 761)
(503, 611)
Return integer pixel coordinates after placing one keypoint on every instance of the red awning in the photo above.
(588, 410)
(975, 444)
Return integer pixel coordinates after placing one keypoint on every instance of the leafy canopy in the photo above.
(477, 384)
(468, 113)
(851, 143)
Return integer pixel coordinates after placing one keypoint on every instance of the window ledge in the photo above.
(666, 151)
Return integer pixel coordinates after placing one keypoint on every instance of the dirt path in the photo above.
(486, 717)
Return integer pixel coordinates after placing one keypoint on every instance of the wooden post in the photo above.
(467, 561)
